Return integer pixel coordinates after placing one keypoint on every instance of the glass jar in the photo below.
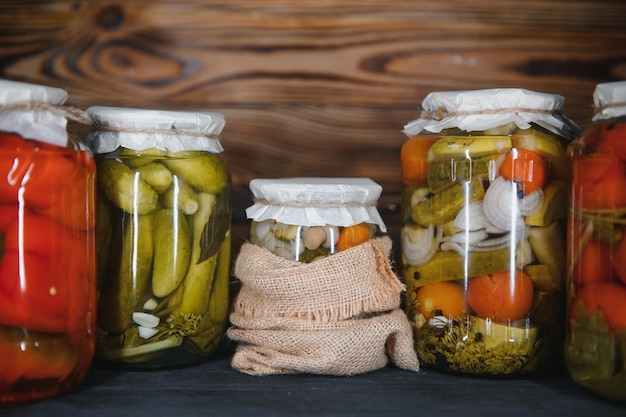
(47, 250)
(164, 201)
(305, 219)
(595, 344)
(484, 184)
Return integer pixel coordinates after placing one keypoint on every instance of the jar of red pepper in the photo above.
(47, 250)
(595, 345)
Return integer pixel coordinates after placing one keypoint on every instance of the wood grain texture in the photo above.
(311, 88)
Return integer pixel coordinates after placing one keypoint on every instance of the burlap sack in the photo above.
(339, 315)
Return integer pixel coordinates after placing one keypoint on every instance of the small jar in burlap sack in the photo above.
(318, 294)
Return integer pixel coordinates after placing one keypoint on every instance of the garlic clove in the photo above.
(145, 319)
(146, 332)
(150, 304)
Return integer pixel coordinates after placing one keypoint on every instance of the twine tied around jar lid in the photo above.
(69, 112)
(442, 113)
(313, 205)
(139, 129)
(481, 110)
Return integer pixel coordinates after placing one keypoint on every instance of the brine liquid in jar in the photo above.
(483, 237)
(164, 200)
(47, 249)
(595, 344)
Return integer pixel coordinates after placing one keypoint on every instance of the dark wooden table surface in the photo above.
(213, 388)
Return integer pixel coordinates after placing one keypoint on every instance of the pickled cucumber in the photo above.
(450, 265)
(171, 255)
(443, 174)
(181, 196)
(155, 174)
(459, 147)
(442, 208)
(128, 286)
(206, 173)
(200, 275)
(124, 188)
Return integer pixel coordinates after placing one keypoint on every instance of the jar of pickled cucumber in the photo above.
(164, 217)
(484, 186)
(47, 247)
(305, 219)
(595, 344)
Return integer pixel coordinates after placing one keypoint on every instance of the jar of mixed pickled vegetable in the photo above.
(164, 217)
(485, 179)
(47, 251)
(305, 219)
(595, 344)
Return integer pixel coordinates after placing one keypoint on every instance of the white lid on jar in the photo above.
(165, 130)
(476, 110)
(316, 201)
(609, 100)
(32, 122)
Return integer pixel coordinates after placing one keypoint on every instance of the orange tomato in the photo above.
(414, 159)
(593, 263)
(441, 298)
(353, 235)
(607, 297)
(501, 296)
(525, 167)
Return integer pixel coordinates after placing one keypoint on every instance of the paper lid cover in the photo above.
(476, 110)
(38, 124)
(316, 201)
(141, 129)
(609, 100)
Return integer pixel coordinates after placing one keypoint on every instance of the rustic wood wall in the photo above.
(318, 88)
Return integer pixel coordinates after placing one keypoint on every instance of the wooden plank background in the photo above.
(320, 88)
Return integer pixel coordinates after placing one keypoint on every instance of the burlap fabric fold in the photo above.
(338, 316)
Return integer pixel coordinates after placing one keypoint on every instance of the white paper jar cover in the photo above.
(477, 110)
(609, 100)
(316, 201)
(166, 130)
(38, 124)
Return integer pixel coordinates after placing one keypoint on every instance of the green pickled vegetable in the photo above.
(124, 188)
(171, 255)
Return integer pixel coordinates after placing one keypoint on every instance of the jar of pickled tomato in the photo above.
(305, 219)
(164, 219)
(595, 344)
(484, 189)
(48, 253)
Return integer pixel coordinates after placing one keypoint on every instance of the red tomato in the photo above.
(593, 263)
(613, 140)
(47, 263)
(501, 296)
(55, 181)
(607, 297)
(599, 181)
(618, 259)
(30, 296)
(525, 167)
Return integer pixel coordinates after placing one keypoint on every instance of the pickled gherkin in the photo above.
(165, 278)
(483, 236)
